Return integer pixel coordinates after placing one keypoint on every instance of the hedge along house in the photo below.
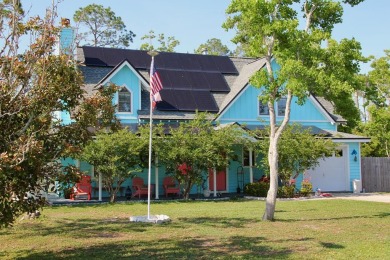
(220, 86)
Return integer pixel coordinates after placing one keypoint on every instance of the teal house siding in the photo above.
(66, 40)
(125, 77)
(245, 110)
(354, 166)
(65, 117)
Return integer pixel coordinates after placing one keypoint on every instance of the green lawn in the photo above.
(311, 229)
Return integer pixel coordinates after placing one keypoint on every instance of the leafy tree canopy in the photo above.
(377, 88)
(166, 44)
(299, 150)
(309, 60)
(35, 86)
(116, 156)
(213, 47)
(376, 92)
(104, 27)
(195, 147)
(378, 129)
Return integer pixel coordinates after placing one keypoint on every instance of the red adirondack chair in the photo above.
(139, 188)
(82, 189)
(170, 186)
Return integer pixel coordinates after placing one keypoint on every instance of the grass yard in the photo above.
(312, 229)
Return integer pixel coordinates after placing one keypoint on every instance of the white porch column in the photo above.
(77, 163)
(250, 166)
(100, 186)
(215, 181)
(156, 175)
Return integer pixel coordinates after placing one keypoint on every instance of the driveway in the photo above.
(376, 197)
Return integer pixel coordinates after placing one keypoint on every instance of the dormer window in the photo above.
(124, 100)
(282, 106)
(263, 108)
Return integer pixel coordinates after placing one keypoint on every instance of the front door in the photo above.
(221, 180)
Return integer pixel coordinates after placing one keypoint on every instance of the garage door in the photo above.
(331, 174)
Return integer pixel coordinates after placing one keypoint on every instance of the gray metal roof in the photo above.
(246, 68)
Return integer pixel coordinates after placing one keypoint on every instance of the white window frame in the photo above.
(131, 100)
(277, 106)
(258, 108)
(246, 150)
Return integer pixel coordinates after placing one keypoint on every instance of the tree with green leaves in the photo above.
(166, 45)
(195, 147)
(299, 150)
(116, 156)
(297, 60)
(376, 93)
(377, 89)
(35, 86)
(378, 129)
(104, 26)
(213, 46)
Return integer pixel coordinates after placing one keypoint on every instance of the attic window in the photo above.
(282, 106)
(263, 108)
(124, 100)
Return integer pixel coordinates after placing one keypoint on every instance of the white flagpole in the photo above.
(150, 151)
(151, 53)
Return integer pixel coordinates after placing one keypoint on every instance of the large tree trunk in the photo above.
(273, 155)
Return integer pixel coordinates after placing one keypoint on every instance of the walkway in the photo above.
(376, 197)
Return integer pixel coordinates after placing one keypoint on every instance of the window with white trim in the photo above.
(263, 108)
(282, 106)
(245, 157)
(124, 100)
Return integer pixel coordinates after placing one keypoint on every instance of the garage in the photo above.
(332, 172)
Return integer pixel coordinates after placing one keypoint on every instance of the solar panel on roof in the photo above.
(140, 60)
(113, 59)
(188, 62)
(198, 80)
(185, 100)
(99, 56)
(205, 101)
(216, 82)
(179, 79)
(207, 63)
(165, 79)
(225, 64)
(170, 60)
(168, 100)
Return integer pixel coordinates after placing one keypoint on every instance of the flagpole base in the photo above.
(154, 219)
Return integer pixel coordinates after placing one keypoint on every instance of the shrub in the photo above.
(258, 189)
(306, 188)
(286, 191)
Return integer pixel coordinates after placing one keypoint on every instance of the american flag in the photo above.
(155, 84)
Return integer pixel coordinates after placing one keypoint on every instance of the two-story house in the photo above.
(220, 86)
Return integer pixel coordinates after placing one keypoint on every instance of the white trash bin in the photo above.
(357, 186)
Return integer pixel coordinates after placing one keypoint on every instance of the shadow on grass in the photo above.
(191, 248)
(87, 228)
(383, 215)
(220, 221)
(331, 245)
(113, 227)
(327, 218)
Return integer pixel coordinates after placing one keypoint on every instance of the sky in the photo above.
(193, 22)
